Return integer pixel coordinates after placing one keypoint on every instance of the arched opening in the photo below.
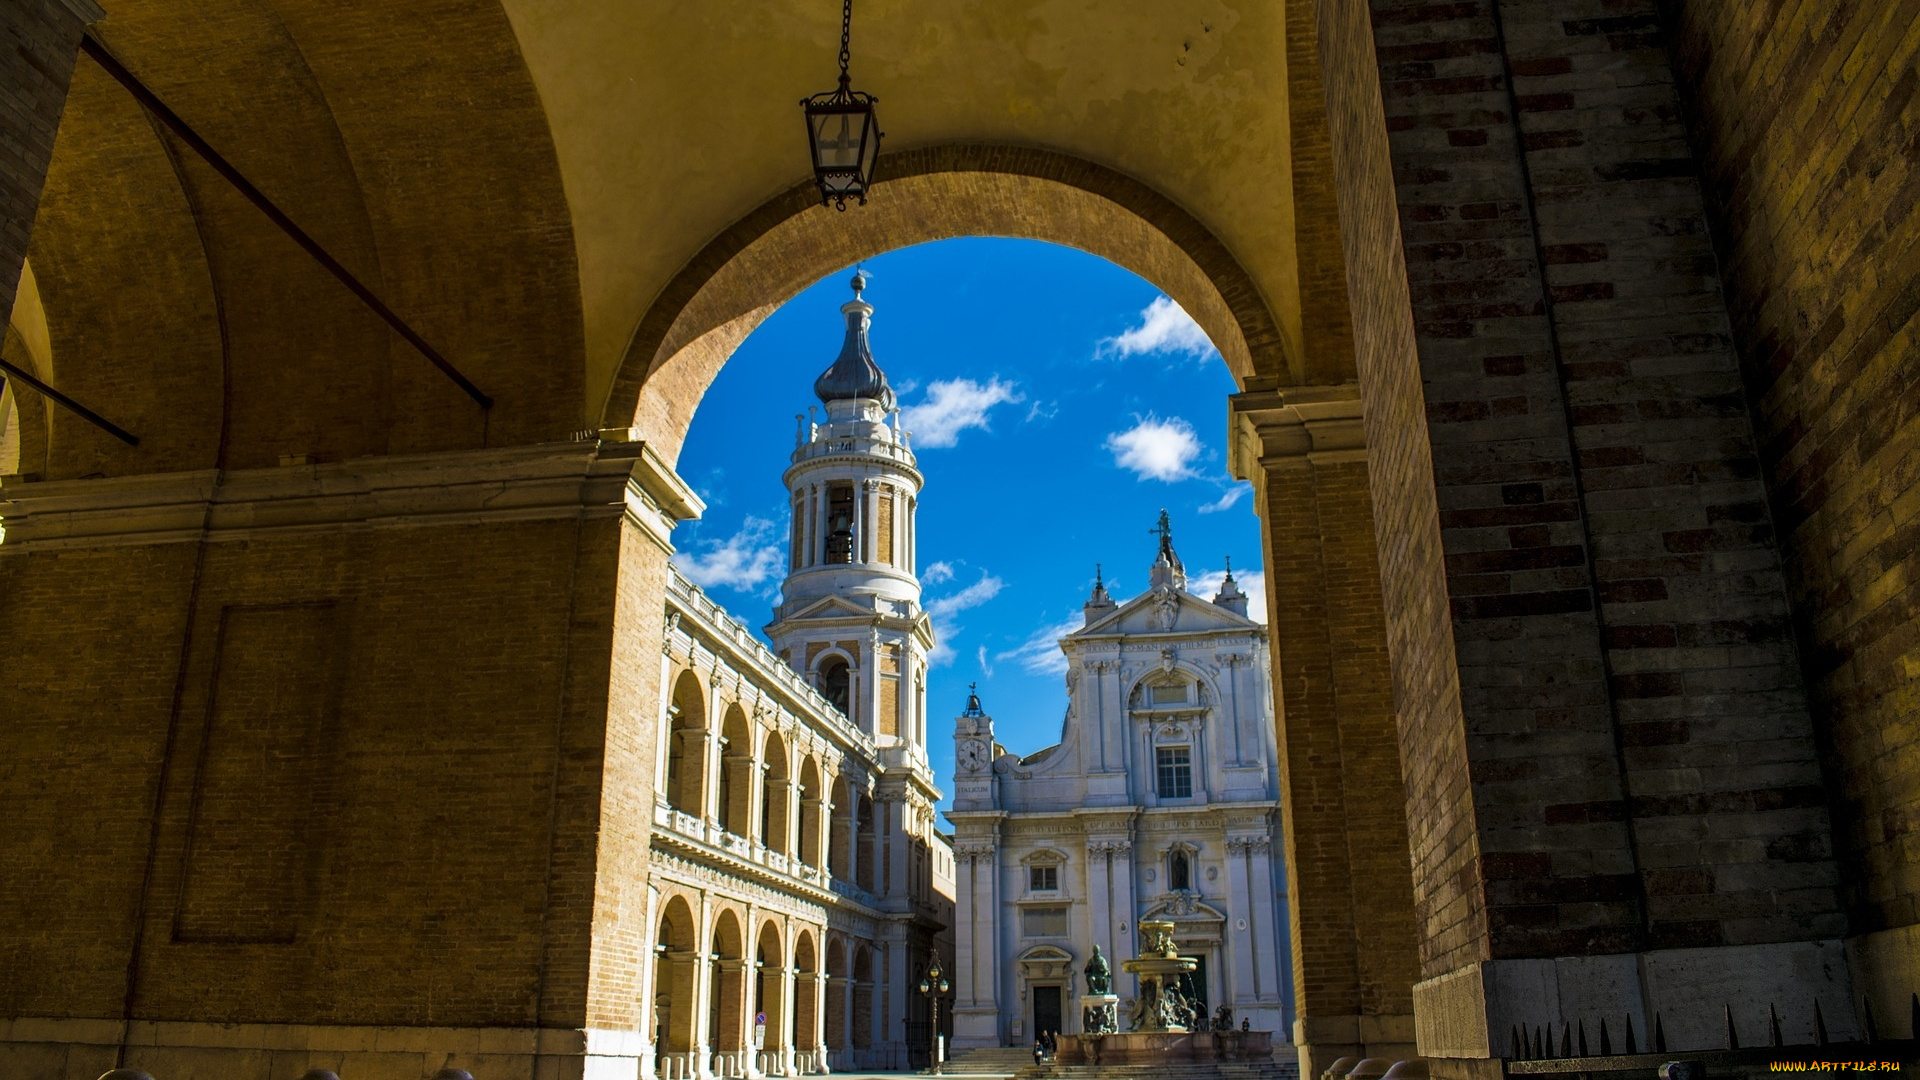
(675, 960)
(1179, 871)
(686, 780)
(736, 772)
(863, 845)
(807, 993)
(770, 987)
(776, 812)
(835, 682)
(726, 1019)
(813, 811)
(862, 1010)
(840, 853)
(839, 995)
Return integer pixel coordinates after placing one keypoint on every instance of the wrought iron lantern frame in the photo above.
(840, 175)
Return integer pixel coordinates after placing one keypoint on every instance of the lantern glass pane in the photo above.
(870, 148)
(836, 139)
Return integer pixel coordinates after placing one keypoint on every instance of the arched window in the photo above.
(836, 685)
(1179, 873)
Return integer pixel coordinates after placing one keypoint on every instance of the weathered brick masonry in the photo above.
(1806, 119)
(1643, 766)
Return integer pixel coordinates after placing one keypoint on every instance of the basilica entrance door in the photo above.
(1046, 1009)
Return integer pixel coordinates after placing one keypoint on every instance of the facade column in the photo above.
(702, 1003)
(816, 990)
(846, 1009)
(1265, 930)
(1099, 893)
(711, 761)
(1125, 911)
(1249, 983)
(788, 1039)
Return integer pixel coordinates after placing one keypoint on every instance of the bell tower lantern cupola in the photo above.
(850, 618)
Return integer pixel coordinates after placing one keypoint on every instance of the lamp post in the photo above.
(843, 132)
(932, 986)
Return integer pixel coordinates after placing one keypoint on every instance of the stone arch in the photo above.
(864, 847)
(925, 194)
(813, 814)
(805, 1012)
(836, 676)
(770, 988)
(840, 849)
(735, 801)
(839, 976)
(676, 957)
(776, 799)
(686, 779)
(726, 1023)
(861, 1014)
(451, 207)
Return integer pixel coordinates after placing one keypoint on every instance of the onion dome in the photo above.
(854, 374)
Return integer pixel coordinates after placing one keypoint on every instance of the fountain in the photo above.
(1165, 1029)
(1161, 1006)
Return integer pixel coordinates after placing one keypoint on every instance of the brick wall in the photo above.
(42, 40)
(1642, 762)
(1808, 127)
(470, 801)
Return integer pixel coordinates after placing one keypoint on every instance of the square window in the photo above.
(1043, 878)
(1174, 772)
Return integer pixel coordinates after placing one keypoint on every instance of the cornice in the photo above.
(594, 479)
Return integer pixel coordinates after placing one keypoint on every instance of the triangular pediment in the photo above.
(1163, 611)
(829, 607)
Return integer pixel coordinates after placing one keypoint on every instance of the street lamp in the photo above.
(932, 987)
(843, 132)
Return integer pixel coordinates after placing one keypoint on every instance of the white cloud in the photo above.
(954, 405)
(1042, 410)
(943, 610)
(1040, 654)
(986, 666)
(743, 561)
(972, 596)
(1156, 449)
(1251, 582)
(935, 573)
(1165, 327)
(1226, 502)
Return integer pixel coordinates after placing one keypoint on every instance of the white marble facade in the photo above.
(798, 884)
(1159, 802)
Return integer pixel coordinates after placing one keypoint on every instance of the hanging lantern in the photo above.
(843, 132)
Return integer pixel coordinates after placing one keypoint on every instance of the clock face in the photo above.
(972, 755)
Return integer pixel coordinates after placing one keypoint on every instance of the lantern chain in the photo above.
(846, 35)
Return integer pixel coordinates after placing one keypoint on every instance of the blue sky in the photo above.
(1057, 403)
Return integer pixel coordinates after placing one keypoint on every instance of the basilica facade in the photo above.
(1158, 803)
(797, 884)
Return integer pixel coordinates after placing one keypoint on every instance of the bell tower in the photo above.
(850, 619)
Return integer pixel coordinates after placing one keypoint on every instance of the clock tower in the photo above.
(850, 618)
